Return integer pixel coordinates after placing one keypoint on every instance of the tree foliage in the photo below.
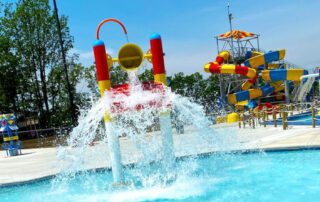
(32, 81)
(30, 62)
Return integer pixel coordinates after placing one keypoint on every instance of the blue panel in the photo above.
(98, 43)
(281, 66)
(267, 89)
(291, 85)
(271, 56)
(248, 54)
(252, 104)
(278, 75)
(261, 68)
(247, 63)
(155, 36)
(243, 95)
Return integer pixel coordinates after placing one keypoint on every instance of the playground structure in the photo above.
(130, 58)
(9, 131)
(254, 77)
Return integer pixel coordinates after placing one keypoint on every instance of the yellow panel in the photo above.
(265, 75)
(160, 78)
(294, 74)
(275, 65)
(6, 139)
(255, 62)
(232, 99)
(278, 88)
(251, 73)
(103, 86)
(276, 83)
(256, 53)
(227, 69)
(207, 67)
(246, 85)
(282, 53)
(239, 107)
(254, 93)
(225, 55)
(243, 103)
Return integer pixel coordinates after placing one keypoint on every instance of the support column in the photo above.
(160, 77)
(102, 70)
(286, 91)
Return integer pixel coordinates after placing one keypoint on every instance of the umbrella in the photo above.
(236, 34)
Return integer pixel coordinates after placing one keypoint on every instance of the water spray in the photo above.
(130, 58)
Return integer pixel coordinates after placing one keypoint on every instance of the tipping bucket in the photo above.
(130, 56)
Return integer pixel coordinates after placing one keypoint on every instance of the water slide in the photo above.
(230, 69)
(276, 77)
(283, 74)
(256, 61)
(305, 87)
(259, 60)
(251, 94)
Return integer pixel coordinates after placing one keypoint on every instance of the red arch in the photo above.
(110, 20)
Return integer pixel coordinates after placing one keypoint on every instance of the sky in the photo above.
(188, 27)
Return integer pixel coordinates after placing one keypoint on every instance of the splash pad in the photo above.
(141, 113)
(130, 58)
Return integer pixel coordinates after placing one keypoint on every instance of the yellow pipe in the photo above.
(160, 78)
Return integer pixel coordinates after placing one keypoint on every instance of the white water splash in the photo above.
(140, 126)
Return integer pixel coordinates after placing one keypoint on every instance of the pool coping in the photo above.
(179, 158)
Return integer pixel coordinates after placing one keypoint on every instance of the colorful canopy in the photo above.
(236, 34)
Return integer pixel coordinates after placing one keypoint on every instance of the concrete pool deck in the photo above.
(41, 163)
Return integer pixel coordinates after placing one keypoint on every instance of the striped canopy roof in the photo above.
(236, 34)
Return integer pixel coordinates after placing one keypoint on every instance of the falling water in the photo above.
(141, 129)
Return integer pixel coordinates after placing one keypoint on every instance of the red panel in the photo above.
(219, 60)
(118, 107)
(215, 68)
(253, 80)
(243, 70)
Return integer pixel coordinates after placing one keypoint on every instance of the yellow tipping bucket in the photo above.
(130, 56)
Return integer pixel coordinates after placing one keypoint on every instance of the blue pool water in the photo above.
(299, 119)
(276, 176)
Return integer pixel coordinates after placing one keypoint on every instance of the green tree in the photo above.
(146, 75)
(200, 90)
(29, 34)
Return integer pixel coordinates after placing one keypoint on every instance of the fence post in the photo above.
(249, 117)
(264, 118)
(291, 109)
(243, 120)
(253, 121)
(284, 119)
(313, 117)
(274, 116)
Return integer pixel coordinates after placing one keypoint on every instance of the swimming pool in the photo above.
(275, 176)
(298, 119)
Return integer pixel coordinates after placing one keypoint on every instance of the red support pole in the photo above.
(159, 70)
(102, 69)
